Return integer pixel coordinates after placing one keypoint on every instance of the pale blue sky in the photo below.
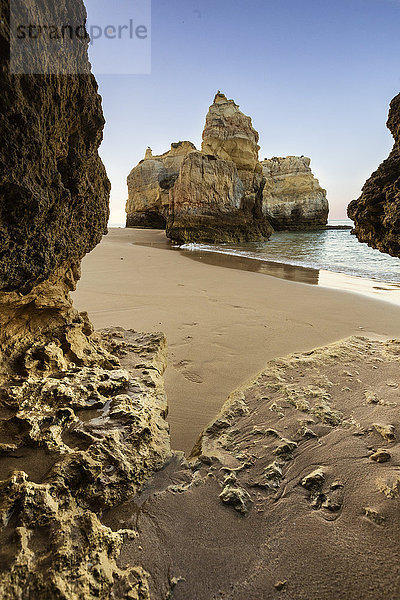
(316, 77)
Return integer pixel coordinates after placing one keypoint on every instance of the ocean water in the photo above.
(332, 250)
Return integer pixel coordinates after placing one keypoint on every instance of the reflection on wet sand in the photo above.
(380, 290)
(280, 270)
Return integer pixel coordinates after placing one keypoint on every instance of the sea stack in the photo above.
(376, 213)
(149, 184)
(223, 193)
(218, 194)
(230, 135)
(292, 196)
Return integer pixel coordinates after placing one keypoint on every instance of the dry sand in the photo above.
(222, 324)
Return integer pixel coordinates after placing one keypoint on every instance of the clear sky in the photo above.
(316, 76)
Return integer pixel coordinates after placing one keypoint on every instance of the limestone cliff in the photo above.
(292, 196)
(376, 214)
(207, 204)
(149, 184)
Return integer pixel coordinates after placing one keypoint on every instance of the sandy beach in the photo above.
(222, 324)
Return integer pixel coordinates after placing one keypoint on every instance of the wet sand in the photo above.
(222, 324)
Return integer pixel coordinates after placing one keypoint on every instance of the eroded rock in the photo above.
(82, 413)
(376, 213)
(386, 430)
(381, 456)
(98, 435)
(237, 497)
(54, 195)
(223, 193)
(207, 204)
(149, 184)
(292, 196)
(230, 135)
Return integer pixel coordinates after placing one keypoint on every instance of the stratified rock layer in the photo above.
(376, 214)
(292, 196)
(149, 184)
(207, 204)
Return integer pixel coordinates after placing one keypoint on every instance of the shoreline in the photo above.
(386, 291)
(372, 288)
(222, 324)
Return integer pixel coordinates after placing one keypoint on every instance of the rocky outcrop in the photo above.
(149, 184)
(376, 214)
(292, 196)
(73, 445)
(214, 195)
(207, 204)
(229, 135)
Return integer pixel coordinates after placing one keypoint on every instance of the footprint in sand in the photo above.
(184, 368)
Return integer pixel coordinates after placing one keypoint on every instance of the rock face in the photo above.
(149, 184)
(376, 214)
(287, 470)
(292, 196)
(214, 195)
(229, 134)
(81, 413)
(53, 199)
(207, 204)
(73, 445)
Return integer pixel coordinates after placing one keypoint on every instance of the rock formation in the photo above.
(214, 195)
(190, 193)
(229, 134)
(292, 196)
(81, 413)
(207, 204)
(149, 184)
(74, 444)
(53, 203)
(376, 214)
(229, 137)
